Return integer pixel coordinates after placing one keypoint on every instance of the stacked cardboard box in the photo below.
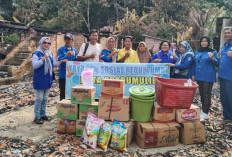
(112, 102)
(168, 126)
(165, 121)
(72, 113)
(84, 109)
(188, 115)
(113, 105)
(152, 135)
(85, 97)
(163, 114)
(81, 95)
(67, 116)
(192, 130)
(114, 108)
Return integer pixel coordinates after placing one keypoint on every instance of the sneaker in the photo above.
(38, 121)
(204, 116)
(46, 118)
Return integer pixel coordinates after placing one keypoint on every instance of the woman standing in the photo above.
(204, 73)
(183, 65)
(164, 55)
(43, 63)
(143, 53)
(110, 53)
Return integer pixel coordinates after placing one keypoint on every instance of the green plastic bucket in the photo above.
(145, 98)
(141, 91)
(141, 109)
(142, 99)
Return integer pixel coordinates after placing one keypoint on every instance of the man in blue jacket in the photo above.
(65, 53)
(225, 75)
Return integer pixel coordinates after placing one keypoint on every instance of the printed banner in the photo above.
(133, 74)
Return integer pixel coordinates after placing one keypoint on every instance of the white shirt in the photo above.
(91, 49)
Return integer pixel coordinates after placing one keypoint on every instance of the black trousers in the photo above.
(205, 89)
(62, 88)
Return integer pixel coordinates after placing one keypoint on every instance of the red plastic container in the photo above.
(172, 92)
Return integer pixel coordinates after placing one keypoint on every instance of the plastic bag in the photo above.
(104, 136)
(91, 130)
(118, 139)
(87, 77)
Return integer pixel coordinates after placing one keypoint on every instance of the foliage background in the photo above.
(167, 19)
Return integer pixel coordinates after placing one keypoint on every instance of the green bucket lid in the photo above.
(142, 91)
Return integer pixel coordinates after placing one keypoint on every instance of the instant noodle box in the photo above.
(163, 114)
(67, 110)
(81, 95)
(66, 126)
(114, 108)
(192, 132)
(84, 109)
(80, 125)
(152, 135)
(112, 88)
(188, 115)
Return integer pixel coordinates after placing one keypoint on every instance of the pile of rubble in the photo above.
(218, 133)
(14, 96)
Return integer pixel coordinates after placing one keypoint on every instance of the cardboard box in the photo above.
(66, 126)
(192, 132)
(130, 132)
(114, 108)
(81, 95)
(67, 110)
(113, 88)
(163, 114)
(84, 109)
(188, 115)
(80, 125)
(152, 135)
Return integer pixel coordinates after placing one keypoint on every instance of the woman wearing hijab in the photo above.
(204, 72)
(143, 53)
(110, 53)
(183, 65)
(43, 63)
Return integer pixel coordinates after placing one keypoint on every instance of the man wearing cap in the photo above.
(65, 53)
(127, 55)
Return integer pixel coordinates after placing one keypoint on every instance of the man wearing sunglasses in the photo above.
(65, 53)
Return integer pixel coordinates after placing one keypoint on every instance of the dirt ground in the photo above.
(19, 124)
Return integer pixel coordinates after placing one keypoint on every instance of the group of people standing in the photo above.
(184, 63)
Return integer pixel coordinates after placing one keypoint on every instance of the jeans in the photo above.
(41, 97)
(226, 98)
(205, 89)
(62, 88)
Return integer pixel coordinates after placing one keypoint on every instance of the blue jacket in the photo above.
(41, 81)
(165, 58)
(62, 54)
(225, 65)
(104, 56)
(204, 67)
(186, 63)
